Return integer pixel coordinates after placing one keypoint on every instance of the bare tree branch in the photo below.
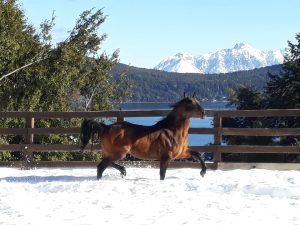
(22, 67)
(89, 100)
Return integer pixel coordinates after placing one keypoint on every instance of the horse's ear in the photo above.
(184, 95)
(194, 95)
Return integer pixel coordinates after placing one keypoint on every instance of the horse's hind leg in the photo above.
(120, 168)
(102, 166)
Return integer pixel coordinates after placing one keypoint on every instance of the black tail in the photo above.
(89, 127)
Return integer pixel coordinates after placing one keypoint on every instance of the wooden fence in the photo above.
(29, 147)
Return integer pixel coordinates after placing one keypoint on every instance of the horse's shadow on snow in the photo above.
(40, 179)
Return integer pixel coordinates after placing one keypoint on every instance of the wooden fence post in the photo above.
(120, 117)
(28, 154)
(217, 137)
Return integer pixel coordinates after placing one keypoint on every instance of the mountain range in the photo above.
(239, 58)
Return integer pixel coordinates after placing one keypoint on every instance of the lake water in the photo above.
(167, 105)
(194, 139)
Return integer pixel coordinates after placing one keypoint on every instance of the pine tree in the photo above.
(282, 92)
(71, 75)
(246, 98)
(283, 89)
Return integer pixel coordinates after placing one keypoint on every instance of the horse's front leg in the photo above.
(203, 166)
(193, 154)
(120, 168)
(164, 163)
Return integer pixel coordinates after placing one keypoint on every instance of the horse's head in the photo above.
(190, 106)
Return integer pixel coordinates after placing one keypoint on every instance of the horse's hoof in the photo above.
(202, 173)
(123, 173)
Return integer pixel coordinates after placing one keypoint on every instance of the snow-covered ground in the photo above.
(74, 196)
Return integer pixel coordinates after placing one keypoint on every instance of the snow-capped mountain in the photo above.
(240, 57)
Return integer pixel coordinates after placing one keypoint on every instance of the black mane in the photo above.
(166, 122)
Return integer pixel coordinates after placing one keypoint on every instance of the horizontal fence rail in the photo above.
(29, 131)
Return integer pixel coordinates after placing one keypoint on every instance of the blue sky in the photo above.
(147, 31)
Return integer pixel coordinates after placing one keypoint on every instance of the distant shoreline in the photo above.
(212, 101)
(167, 105)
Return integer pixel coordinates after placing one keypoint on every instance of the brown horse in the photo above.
(166, 140)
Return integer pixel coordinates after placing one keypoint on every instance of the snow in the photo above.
(74, 196)
(181, 63)
(240, 57)
(186, 67)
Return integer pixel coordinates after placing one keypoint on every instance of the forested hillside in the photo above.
(158, 86)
